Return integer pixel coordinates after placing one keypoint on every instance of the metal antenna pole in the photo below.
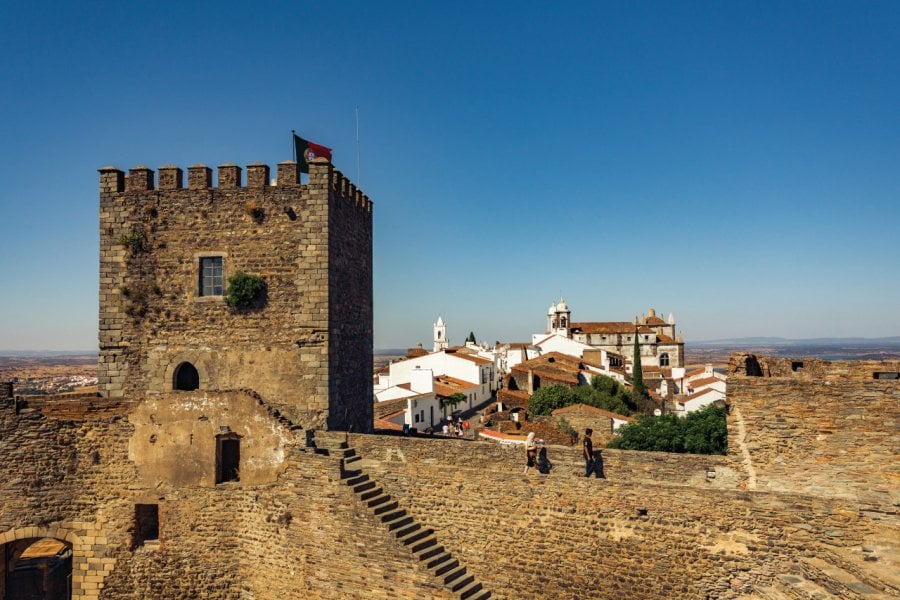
(358, 180)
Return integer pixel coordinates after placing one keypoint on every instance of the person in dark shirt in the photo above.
(590, 464)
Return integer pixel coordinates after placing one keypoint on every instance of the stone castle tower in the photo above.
(166, 255)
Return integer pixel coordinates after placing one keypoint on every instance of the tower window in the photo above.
(212, 281)
(186, 377)
(664, 360)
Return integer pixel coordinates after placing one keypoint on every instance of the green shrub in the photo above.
(134, 240)
(604, 393)
(701, 432)
(245, 290)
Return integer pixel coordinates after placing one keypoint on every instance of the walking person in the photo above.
(590, 463)
(543, 463)
(530, 452)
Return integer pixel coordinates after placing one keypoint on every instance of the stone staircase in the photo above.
(813, 578)
(420, 541)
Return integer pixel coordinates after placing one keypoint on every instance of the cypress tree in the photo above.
(471, 337)
(637, 374)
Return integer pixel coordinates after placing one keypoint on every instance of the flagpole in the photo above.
(358, 180)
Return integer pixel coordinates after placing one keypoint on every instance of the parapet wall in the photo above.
(818, 427)
(229, 177)
(706, 471)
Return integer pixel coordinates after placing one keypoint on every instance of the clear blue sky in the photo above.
(737, 164)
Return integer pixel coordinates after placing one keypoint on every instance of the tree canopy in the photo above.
(604, 392)
(700, 432)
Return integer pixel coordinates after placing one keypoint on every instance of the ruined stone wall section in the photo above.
(153, 318)
(66, 479)
(833, 437)
(66, 474)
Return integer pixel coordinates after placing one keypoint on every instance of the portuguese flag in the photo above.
(306, 151)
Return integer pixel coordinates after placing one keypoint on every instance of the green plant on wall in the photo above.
(245, 290)
(134, 241)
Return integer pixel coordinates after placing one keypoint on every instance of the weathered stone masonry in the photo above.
(307, 349)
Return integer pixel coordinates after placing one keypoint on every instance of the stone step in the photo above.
(798, 586)
(406, 530)
(364, 487)
(470, 590)
(416, 536)
(448, 565)
(438, 559)
(837, 580)
(393, 515)
(371, 494)
(357, 480)
(424, 543)
(428, 551)
(351, 459)
(402, 532)
(459, 581)
(453, 573)
(383, 506)
(347, 474)
(399, 522)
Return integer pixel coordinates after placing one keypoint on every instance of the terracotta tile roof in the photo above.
(555, 359)
(457, 351)
(697, 395)
(603, 327)
(416, 352)
(557, 375)
(664, 339)
(517, 395)
(553, 366)
(695, 372)
(587, 408)
(654, 321)
(385, 424)
(702, 382)
(444, 385)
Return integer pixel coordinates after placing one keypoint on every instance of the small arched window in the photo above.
(186, 377)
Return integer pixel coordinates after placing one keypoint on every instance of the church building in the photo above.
(658, 343)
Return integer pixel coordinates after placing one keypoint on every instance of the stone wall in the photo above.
(67, 474)
(623, 537)
(618, 465)
(827, 429)
(307, 344)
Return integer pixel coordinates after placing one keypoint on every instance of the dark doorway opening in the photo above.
(36, 569)
(146, 524)
(186, 377)
(228, 457)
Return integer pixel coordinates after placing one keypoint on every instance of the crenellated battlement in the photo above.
(229, 177)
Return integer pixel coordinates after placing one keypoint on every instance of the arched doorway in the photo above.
(36, 569)
(186, 377)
